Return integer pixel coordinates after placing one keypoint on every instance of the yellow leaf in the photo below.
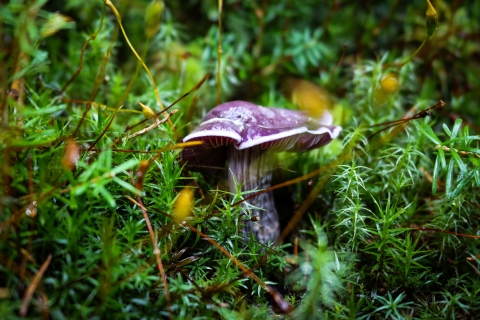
(431, 19)
(54, 23)
(309, 96)
(147, 111)
(388, 86)
(183, 205)
(153, 16)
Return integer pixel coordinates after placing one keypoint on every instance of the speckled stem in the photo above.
(252, 169)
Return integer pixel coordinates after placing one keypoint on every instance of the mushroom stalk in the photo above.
(250, 169)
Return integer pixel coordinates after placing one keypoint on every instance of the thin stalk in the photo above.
(124, 95)
(414, 54)
(109, 4)
(156, 251)
(98, 81)
(82, 53)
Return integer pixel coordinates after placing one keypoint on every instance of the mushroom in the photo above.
(240, 133)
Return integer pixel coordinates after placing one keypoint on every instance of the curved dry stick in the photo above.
(418, 115)
(153, 126)
(33, 285)
(448, 232)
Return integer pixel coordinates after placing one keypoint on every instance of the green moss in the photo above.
(391, 228)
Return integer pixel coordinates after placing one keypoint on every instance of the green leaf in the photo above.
(449, 180)
(456, 128)
(26, 144)
(108, 159)
(428, 132)
(469, 138)
(127, 186)
(466, 134)
(125, 166)
(89, 170)
(447, 130)
(79, 189)
(443, 162)
(436, 172)
(107, 196)
(476, 173)
(475, 161)
(461, 185)
(30, 112)
(458, 160)
(56, 22)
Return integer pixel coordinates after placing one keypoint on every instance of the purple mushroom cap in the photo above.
(245, 125)
(241, 132)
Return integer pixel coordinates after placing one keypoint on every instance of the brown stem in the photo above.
(250, 169)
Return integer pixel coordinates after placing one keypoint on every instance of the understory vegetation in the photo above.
(99, 219)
